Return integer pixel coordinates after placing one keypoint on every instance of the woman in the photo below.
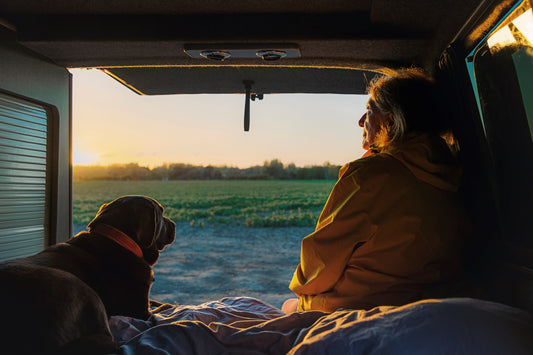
(393, 224)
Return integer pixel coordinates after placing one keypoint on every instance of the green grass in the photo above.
(271, 203)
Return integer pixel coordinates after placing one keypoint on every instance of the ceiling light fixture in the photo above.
(221, 51)
(271, 54)
(217, 55)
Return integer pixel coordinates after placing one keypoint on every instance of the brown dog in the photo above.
(63, 295)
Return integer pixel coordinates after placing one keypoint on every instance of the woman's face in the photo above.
(372, 122)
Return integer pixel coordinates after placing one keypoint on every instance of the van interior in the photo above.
(479, 51)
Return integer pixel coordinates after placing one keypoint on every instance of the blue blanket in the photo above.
(244, 325)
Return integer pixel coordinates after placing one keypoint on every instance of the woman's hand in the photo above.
(290, 305)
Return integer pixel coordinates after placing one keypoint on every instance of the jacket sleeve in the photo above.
(342, 226)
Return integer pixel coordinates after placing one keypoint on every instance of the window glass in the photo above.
(513, 39)
(501, 69)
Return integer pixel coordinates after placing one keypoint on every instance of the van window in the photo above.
(24, 148)
(501, 68)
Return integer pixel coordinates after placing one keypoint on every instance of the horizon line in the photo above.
(326, 163)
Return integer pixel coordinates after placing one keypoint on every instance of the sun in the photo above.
(83, 158)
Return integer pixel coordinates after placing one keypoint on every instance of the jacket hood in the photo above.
(430, 160)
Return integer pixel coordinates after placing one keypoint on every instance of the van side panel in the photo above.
(29, 77)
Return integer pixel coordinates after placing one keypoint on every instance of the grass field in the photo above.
(271, 203)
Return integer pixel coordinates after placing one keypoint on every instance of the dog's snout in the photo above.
(171, 227)
(168, 233)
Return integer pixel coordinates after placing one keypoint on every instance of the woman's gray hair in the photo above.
(411, 98)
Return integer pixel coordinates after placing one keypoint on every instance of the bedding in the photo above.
(243, 325)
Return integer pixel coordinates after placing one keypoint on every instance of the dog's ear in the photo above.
(139, 217)
(147, 231)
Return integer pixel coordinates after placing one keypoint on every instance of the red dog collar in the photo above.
(118, 237)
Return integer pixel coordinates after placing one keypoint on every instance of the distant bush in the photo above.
(270, 170)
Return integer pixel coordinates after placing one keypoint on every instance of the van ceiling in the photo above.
(141, 43)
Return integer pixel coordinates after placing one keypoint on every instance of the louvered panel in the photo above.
(21, 208)
(15, 217)
(23, 109)
(24, 173)
(26, 145)
(18, 242)
(20, 223)
(6, 149)
(21, 164)
(20, 199)
(18, 118)
(9, 125)
(23, 187)
(18, 179)
(22, 159)
(17, 138)
(23, 176)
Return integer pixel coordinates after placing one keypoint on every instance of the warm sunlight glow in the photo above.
(504, 36)
(524, 23)
(501, 37)
(83, 158)
(114, 125)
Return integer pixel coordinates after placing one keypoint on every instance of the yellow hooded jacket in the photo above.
(393, 224)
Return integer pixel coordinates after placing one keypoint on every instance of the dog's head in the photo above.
(140, 218)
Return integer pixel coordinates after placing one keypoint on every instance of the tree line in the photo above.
(270, 170)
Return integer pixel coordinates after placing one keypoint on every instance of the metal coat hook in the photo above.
(248, 87)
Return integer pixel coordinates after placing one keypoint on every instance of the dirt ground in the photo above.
(213, 262)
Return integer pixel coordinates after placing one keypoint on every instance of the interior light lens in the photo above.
(271, 54)
(217, 55)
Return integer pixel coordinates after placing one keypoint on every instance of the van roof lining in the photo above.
(351, 34)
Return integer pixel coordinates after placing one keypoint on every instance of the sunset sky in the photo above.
(112, 124)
